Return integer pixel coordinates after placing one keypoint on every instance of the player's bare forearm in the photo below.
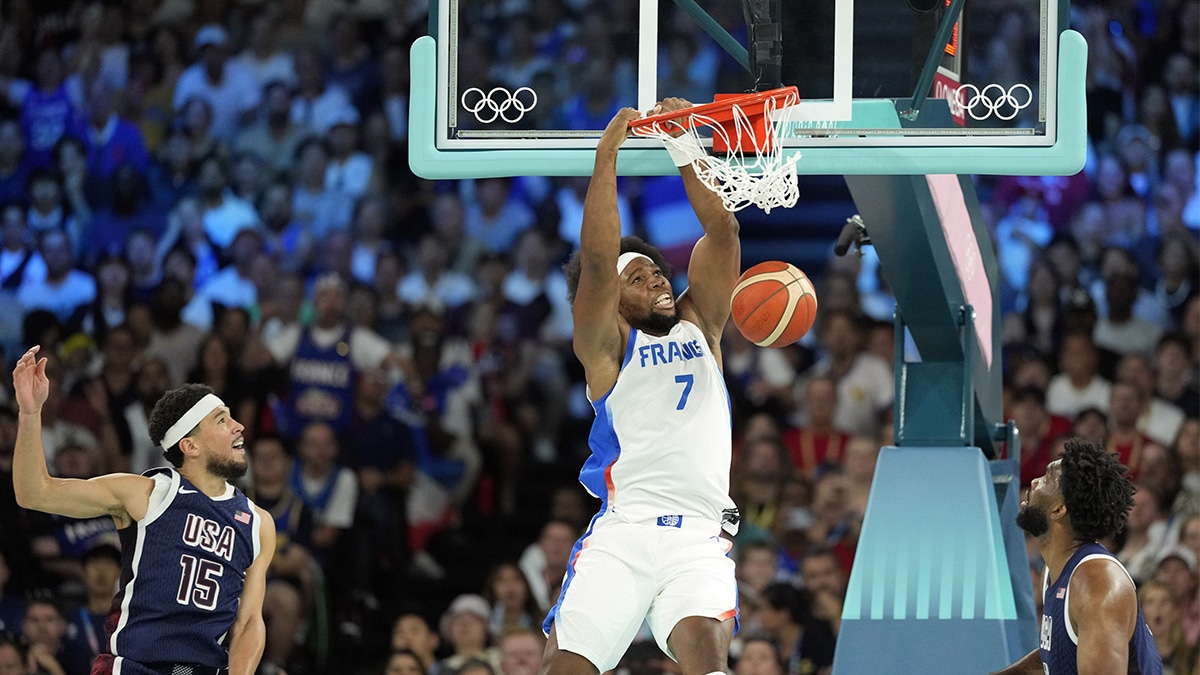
(246, 645)
(1030, 664)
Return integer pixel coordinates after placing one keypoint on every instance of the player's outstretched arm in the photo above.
(248, 635)
(1030, 664)
(716, 260)
(1104, 611)
(597, 333)
(123, 496)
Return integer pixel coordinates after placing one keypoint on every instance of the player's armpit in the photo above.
(1103, 610)
(1030, 664)
(248, 635)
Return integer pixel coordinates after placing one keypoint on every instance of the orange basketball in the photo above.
(773, 304)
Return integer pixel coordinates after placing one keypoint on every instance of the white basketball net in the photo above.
(749, 175)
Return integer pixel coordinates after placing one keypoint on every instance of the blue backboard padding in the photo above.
(912, 647)
(1065, 157)
(930, 555)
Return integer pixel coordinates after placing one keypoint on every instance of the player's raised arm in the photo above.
(122, 496)
(717, 258)
(597, 330)
(248, 635)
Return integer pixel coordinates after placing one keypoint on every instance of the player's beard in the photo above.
(657, 323)
(1033, 520)
(226, 467)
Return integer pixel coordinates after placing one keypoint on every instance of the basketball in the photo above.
(773, 304)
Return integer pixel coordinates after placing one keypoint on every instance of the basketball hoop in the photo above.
(753, 170)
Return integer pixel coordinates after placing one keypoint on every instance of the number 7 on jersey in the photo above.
(687, 381)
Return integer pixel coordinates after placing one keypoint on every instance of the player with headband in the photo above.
(661, 441)
(194, 549)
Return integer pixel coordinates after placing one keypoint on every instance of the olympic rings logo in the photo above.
(498, 103)
(992, 99)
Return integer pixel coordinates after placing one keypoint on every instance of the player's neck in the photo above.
(213, 486)
(1057, 547)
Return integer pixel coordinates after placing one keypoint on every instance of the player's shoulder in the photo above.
(1101, 576)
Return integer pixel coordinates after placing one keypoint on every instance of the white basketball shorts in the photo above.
(623, 573)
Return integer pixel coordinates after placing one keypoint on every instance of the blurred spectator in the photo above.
(825, 580)
(129, 210)
(65, 288)
(521, 652)
(1091, 424)
(1175, 373)
(757, 567)
(14, 170)
(1179, 169)
(545, 561)
(286, 239)
(101, 572)
(233, 285)
(1179, 266)
(151, 380)
(45, 630)
(230, 90)
(859, 467)
(317, 102)
(449, 223)
(317, 207)
(47, 208)
(1159, 420)
(1124, 438)
(1146, 535)
(818, 442)
(326, 486)
(758, 657)
(113, 295)
(262, 57)
(804, 643)
(1163, 611)
(12, 657)
(1039, 428)
(403, 662)
(225, 214)
(496, 216)
(1077, 386)
(12, 604)
(411, 632)
(49, 106)
(464, 626)
(351, 65)
(431, 283)
(394, 71)
(1119, 330)
(1020, 236)
(1124, 215)
(1176, 568)
(172, 176)
(864, 387)
(248, 176)
(273, 136)
(292, 577)
(569, 200)
(1036, 321)
(349, 169)
(1179, 76)
(110, 140)
(513, 608)
(20, 261)
(145, 268)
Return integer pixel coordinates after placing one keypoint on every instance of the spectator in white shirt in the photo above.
(19, 259)
(1078, 386)
(225, 214)
(431, 282)
(64, 288)
(864, 381)
(317, 102)
(233, 286)
(232, 91)
(349, 168)
(315, 206)
(262, 57)
(274, 136)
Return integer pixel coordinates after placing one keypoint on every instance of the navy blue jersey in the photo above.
(182, 571)
(322, 386)
(1059, 641)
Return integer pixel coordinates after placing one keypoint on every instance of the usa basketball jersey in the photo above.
(1059, 641)
(661, 443)
(183, 569)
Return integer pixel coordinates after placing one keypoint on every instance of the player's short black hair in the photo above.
(167, 412)
(1096, 490)
(628, 244)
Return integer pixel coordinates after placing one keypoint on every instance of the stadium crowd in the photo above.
(218, 192)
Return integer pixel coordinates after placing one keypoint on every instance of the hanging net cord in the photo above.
(750, 174)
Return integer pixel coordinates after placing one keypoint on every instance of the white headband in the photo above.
(628, 257)
(190, 419)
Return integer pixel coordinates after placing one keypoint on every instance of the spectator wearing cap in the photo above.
(464, 626)
(1176, 568)
(101, 573)
(349, 169)
(227, 87)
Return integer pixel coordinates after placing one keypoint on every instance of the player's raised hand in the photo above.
(30, 381)
(617, 130)
(670, 105)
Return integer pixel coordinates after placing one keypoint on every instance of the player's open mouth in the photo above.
(239, 444)
(665, 301)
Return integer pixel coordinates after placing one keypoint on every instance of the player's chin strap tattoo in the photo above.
(730, 521)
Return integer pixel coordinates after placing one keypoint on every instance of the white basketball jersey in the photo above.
(661, 443)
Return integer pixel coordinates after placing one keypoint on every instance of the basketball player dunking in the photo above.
(194, 549)
(661, 441)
